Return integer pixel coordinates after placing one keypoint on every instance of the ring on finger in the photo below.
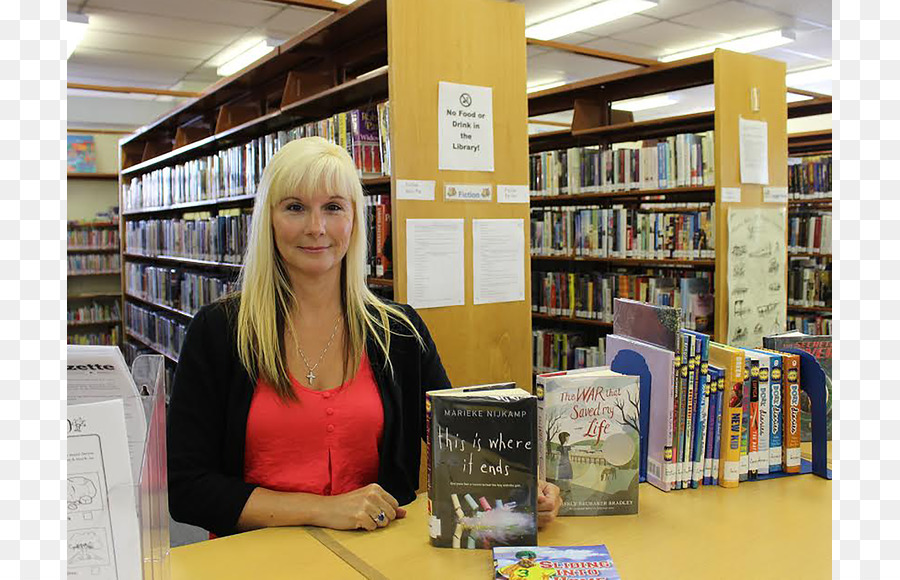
(380, 518)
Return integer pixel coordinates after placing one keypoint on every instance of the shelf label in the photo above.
(775, 195)
(731, 195)
(465, 127)
(466, 192)
(512, 194)
(417, 189)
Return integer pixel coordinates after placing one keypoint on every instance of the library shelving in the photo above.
(809, 218)
(372, 52)
(734, 78)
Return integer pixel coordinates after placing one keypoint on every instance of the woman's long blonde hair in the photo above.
(266, 298)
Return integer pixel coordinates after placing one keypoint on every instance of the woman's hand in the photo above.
(548, 503)
(361, 508)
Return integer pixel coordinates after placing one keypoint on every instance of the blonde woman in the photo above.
(300, 400)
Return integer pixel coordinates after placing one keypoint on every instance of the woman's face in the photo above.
(312, 236)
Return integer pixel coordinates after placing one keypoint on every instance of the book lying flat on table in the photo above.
(556, 562)
(482, 466)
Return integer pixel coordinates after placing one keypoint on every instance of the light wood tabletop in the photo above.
(782, 524)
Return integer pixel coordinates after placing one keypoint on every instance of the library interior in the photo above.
(490, 316)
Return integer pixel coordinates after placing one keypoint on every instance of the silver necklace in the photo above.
(311, 375)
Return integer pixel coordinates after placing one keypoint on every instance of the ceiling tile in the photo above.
(127, 68)
(560, 65)
(148, 45)
(792, 59)
(575, 38)
(533, 50)
(620, 25)
(670, 37)
(813, 11)
(164, 26)
(673, 8)
(540, 10)
(231, 12)
(735, 19)
(293, 21)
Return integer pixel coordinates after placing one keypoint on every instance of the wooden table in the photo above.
(780, 527)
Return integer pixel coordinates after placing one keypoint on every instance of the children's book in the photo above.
(656, 368)
(764, 412)
(482, 466)
(791, 413)
(648, 322)
(590, 424)
(731, 360)
(553, 562)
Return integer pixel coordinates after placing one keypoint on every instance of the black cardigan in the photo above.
(207, 418)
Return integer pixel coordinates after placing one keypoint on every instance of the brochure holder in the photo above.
(152, 489)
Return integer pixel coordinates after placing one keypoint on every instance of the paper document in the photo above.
(435, 261)
(418, 189)
(754, 151)
(498, 260)
(99, 373)
(102, 534)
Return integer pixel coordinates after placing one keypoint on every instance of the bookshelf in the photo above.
(809, 222)
(372, 51)
(594, 123)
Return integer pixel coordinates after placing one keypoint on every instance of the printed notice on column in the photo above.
(465, 127)
(435, 252)
(498, 260)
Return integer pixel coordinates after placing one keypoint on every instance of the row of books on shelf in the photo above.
(378, 229)
(809, 283)
(93, 263)
(94, 238)
(236, 171)
(554, 350)
(810, 233)
(105, 338)
(592, 295)
(682, 160)
(809, 177)
(814, 324)
(623, 232)
(159, 331)
(94, 312)
(221, 238)
(176, 288)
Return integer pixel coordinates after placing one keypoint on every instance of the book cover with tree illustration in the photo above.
(590, 439)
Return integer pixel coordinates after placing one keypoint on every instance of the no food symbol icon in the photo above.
(465, 99)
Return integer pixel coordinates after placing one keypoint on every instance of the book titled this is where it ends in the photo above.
(554, 562)
(482, 466)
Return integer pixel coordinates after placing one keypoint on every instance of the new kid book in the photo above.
(656, 368)
(591, 448)
(482, 466)
(553, 562)
(731, 360)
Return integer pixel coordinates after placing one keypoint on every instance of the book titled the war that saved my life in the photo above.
(482, 466)
(554, 562)
(589, 434)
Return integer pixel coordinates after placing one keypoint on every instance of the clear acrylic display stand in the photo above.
(152, 490)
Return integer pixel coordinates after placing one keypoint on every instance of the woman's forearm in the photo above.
(266, 508)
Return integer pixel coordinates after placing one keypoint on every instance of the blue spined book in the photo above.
(556, 562)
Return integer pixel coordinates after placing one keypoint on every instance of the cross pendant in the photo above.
(310, 377)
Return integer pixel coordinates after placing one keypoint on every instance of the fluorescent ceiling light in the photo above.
(252, 54)
(810, 76)
(644, 103)
(794, 97)
(76, 26)
(587, 17)
(345, 1)
(751, 43)
(533, 88)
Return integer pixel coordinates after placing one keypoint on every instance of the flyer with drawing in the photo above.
(99, 373)
(102, 534)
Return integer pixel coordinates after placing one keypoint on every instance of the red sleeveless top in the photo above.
(325, 443)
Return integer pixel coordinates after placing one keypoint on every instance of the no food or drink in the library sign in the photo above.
(465, 127)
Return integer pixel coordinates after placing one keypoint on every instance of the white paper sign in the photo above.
(512, 194)
(754, 151)
(731, 195)
(102, 533)
(498, 260)
(467, 192)
(417, 189)
(775, 195)
(99, 373)
(435, 259)
(465, 127)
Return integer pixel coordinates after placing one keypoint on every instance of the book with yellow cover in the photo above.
(732, 360)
